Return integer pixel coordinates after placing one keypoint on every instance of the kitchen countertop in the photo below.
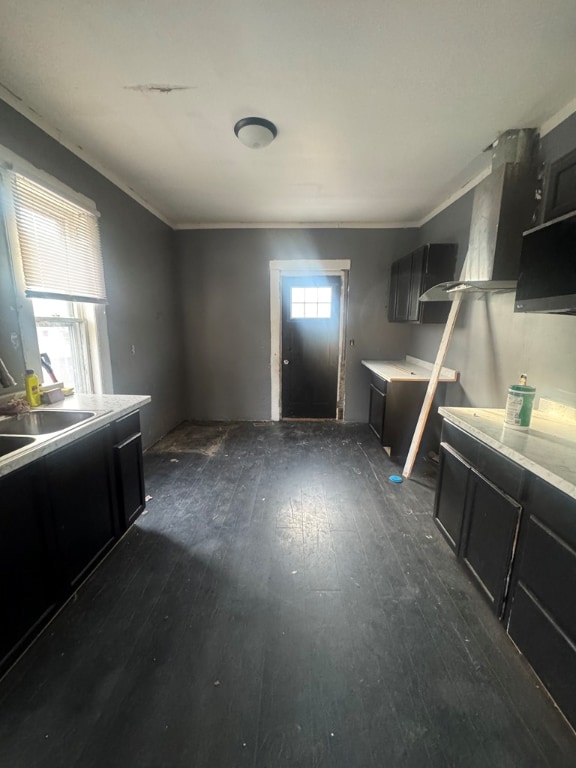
(409, 369)
(107, 408)
(547, 449)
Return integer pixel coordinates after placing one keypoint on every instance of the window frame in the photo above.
(96, 330)
(81, 348)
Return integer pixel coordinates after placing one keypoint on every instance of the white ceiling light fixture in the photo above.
(255, 132)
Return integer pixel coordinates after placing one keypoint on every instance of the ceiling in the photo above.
(383, 107)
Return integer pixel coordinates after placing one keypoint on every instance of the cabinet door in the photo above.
(450, 500)
(393, 292)
(130, 479)
(403, 404)
(542, 620)
(561, 187)
(377, 410)
(416, 275)
(403, 289)
(489, 537)
(28, 573)
(82, 507)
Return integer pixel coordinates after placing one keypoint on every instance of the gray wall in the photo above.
(492, 344)
(139, 266)
(225, 294)
(196, 304)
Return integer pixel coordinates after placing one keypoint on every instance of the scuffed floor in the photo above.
(280, 605)
(193, 437)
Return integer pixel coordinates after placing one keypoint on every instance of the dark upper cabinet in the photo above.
(30, 578)
(393, 310)
(561, 187)
(79, 480)
(414, 274)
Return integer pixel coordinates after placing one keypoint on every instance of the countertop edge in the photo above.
(564, 485)
(108, 408)
(377, 367)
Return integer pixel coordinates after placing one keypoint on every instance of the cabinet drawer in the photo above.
(126, 427)
(548, 569)
(549, 652)
(466, 445)
(555, 509)
(498, 469)
(380, 384)
(503, 472)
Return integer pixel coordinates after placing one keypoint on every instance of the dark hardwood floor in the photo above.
(280, 604)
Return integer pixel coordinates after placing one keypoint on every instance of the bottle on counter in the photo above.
(519, 404)
(32, 385)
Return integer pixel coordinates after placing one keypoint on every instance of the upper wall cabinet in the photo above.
(414, 274)
(561, 191)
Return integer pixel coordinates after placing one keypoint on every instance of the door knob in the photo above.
(285, 362)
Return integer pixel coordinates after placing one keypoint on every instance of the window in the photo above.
(312, 302)
(55, 248)
(62, 328)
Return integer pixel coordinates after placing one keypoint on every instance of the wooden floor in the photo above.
(280, 604)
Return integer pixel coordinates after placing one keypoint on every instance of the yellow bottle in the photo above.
(32, 385)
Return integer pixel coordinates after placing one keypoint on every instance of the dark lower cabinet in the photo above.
(489, 537)
(80, 492)
(542, 615)
(479, 521)
(58, 517)
(129, 469)
(450, 500)
(377, 409)
(521, 553)
(393, 414)
(30, 579)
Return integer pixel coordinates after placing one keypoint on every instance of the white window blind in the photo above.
(59, 244)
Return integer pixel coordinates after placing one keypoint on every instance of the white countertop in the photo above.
(107, 408)
(547, 449)
(409, 369)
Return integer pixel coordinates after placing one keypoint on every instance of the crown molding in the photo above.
(20, 106)
(554, 121)
(297, 225)
(14, 101)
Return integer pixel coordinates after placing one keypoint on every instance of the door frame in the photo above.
(303, 268)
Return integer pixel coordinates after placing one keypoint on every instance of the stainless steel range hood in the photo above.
(503, 207)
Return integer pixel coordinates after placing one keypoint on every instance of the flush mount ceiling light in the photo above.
(255, 132)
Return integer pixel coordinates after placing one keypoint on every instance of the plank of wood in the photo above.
(432, 385)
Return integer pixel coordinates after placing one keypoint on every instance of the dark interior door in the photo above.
(310, 346)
